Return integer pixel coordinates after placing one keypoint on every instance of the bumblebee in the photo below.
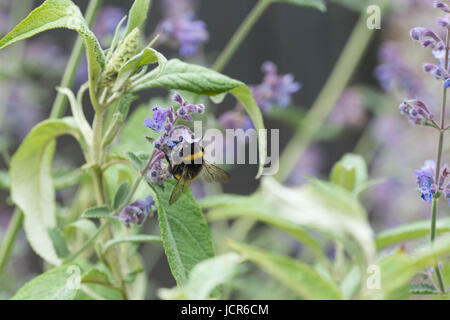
(186, 163)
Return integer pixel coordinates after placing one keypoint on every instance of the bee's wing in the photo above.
(181, 186)
(212, 173)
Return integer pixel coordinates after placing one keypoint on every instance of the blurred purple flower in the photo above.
(349, 111)
(106, 23)
(308, 165)
(44, 55)
(394, 71)
(23, 109)
(235, 119)
(136, 212)
(275, 90)
(184, 32)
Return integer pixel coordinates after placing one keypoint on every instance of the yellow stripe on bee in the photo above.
(193, 156)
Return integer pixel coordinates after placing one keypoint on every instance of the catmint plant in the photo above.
(87, 205)
(432, 177)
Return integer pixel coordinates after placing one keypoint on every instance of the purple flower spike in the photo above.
(136, 212)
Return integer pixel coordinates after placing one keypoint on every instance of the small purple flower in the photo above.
(136, 212)
(416, 111)
(184, 32)
(275, 90)
(447, 193)
(425, 181)
(434, 70)
(159, 118)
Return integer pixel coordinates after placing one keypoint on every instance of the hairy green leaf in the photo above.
(409, 232)
(350, 172)
(297, 276)
(55, 284)
(132, 238)
(178, 75)
(257, 207)
(184, 231)
(121, 194)
(59, 14)
(398, 269)
(97, 212)
(32, 186)
(210, 273)
(145, 57)
(138, 14)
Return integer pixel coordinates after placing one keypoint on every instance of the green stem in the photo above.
(331, 92)
(10, 236)
(88, 243)
(240, 34)
(434, 207)
(60, 103)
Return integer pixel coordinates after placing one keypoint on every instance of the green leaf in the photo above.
(97, 212)
(59, 243)
(54, 284)
(59, 14)
(184, 231)
(32, 186)
(87, 227)
(318, 205)
(409, 232)
(121, 194)
(398, 269)
(299, 277)
(138, 14)
(256, 207)
(316, 4)
(145, 57)
(210, 273)
(350, 172)
(137, 163)
(132, 238)
(178, 75)
(5, 183)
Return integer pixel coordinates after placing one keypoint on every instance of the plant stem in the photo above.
(10, 236)
(88, 243)
(60, 103)
(240, 34)
(331, 92)
(434, 206)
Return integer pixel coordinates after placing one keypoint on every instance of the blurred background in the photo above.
(300, 41)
